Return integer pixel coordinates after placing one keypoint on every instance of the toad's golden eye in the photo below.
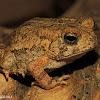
(70, 38)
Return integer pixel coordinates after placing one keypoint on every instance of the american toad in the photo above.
(47, 43)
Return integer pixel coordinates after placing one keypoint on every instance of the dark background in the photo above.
(15, 12)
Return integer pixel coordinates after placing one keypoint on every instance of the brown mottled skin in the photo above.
(47, 43)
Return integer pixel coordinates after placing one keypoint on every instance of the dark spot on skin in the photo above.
(55, 19)
(51, 25)
(80, 22)
(24, 36)
(90, 39)
(25, 48)
(71, 26)
(87, 93)
(87, 76)
(42, 37)
(32, 49)
(74, 96)
(26, 24)
(66, 49)
(44, 26)
(14, 51)
(61, 21)
(43, 48)
(61, 48)
(17, 52)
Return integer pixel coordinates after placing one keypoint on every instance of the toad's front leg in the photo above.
(36, 68)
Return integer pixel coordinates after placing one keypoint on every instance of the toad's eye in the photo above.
(71, 38)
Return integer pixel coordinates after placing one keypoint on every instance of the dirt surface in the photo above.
(84, 81)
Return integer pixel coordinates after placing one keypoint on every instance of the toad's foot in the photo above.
(63, 79)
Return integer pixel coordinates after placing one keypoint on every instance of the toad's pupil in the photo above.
(71, 38)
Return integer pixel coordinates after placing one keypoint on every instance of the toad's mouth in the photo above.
(74, 56)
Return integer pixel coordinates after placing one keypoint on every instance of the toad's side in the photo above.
(43, 43)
